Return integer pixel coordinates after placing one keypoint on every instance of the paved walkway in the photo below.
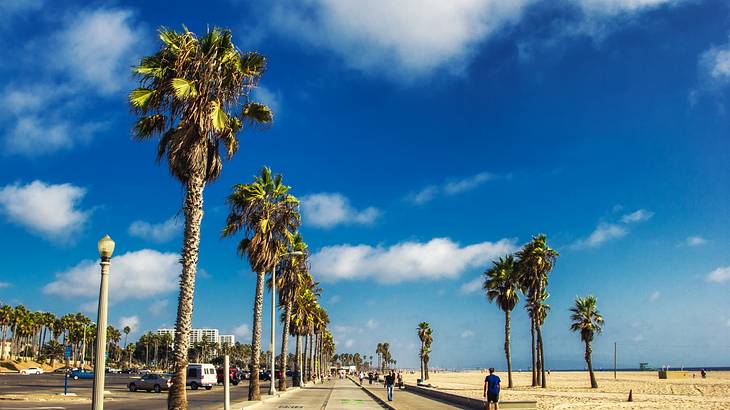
(334, 395)
(405, 400)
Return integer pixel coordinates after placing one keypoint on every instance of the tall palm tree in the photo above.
(126, 331)
(269, 215)
(300, 321)
(588, 321)
(502, 285)
(289, 279)
(378, 352)
(422, 331)
(535, 261)
(195, 95)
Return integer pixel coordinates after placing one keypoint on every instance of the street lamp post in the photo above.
(272, 388)
(106, 248)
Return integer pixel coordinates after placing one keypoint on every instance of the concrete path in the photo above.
(334, 395)
(405, 400)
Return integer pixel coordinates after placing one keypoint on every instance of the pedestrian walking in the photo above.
(400, 381)
(362, 376)
(389, 383)
(491, 389)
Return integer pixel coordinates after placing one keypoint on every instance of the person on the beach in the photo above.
(491, 389)
(389, 382)
(370, 377)
(362, 376)
(400, 380)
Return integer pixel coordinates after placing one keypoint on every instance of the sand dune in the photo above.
(570, 390)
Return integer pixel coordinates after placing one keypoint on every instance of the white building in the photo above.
(197, 335)
(230, 339)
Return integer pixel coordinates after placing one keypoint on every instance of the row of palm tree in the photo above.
(195, 94)
(385, 358)
(35, 335)
(526, 272)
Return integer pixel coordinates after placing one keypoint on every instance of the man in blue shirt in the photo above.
(491, 389)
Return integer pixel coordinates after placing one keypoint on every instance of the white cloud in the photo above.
(241, 331)
(695, 241)
(131, 321)
(349, 343)
(467, 184)
(37, 120)
(133, 275)
(326, 210)
(413, 38)
(92, 55)
(4, 285)
(436, 259)
(161, 232)
(449, 188)
(371, 324)
(637, 216)
(45, 209)
(719, 275)
(614, 7)
(603, 233)
(269, 97)
(654, 296)
(473, 286)
(335, 299)
(98, 48)
(727, 323)
(467, 333)
(714, 69)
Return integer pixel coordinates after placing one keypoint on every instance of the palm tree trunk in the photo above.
(305, 364)
(534, 364)
(254, 386)
(2, 347)
(298, 362)
(177, 399)
(541, 356)
(284, 343)
(422, 373)
(311, 357)
(506, 348)
(589, 362)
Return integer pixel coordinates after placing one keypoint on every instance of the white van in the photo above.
(201, 375)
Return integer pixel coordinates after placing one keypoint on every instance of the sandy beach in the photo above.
(570, 390)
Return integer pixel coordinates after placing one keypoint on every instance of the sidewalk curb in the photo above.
(373, 395)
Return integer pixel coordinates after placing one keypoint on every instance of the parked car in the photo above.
(244, 374)
(265, 375)
(80, 374)
(233, 375)
(112, 370)
(151, 382)
(201, 375)
(32, 370)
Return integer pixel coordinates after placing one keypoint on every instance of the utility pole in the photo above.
(615, 358)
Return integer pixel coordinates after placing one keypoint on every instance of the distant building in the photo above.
(197, 335)
(230, 339)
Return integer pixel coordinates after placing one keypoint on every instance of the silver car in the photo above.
(151, 382)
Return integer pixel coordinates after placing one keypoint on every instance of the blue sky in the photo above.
(424, 141)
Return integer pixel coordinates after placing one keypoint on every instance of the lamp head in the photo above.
(106, 247)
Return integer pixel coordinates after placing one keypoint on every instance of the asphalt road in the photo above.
(118, 398)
